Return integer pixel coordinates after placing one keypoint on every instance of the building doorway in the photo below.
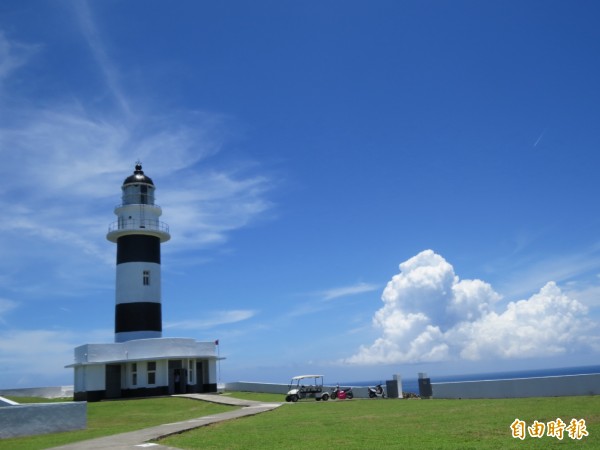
(113, 381)
(177, 377)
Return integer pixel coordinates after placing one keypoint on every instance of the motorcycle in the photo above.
(342, 393)
(377, 391)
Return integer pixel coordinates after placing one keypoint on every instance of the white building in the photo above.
(141, 362)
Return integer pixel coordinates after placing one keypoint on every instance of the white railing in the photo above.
(145, 205)
(139, 224)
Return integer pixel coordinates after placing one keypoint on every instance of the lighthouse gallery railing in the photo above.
(136, 224)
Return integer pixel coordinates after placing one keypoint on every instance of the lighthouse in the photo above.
(141, 362)
(138, 234)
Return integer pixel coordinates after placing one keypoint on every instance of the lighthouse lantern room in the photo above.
(141, 362)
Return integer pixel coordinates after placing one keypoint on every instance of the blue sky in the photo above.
(354, 188)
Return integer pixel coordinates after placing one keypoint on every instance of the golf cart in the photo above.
(306, 386)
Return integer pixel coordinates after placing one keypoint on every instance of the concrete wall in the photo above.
(558, 386)
(272, 388)
(42, 418)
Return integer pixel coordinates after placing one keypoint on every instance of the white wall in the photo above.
(559, 386)
(90, 378)
(94, 379)
(211, 368)
(129, 283)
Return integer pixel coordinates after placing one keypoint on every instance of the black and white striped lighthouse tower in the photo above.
(138, 234)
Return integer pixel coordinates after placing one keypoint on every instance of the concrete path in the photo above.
(140, 439)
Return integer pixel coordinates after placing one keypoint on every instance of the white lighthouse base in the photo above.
(144, 367)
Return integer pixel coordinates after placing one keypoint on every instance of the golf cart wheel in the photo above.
(294, 398)
(325, 397)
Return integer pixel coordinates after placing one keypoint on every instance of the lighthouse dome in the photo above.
(138, 176)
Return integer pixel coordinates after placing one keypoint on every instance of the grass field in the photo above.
(376, 424)
(354, 424)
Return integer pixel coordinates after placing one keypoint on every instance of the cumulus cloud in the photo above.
(429, 314)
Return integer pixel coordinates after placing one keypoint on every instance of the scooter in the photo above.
(342, 393)
(377, 391)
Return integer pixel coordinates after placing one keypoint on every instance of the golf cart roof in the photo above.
(299, 377)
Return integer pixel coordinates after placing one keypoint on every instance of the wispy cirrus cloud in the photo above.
(319, 301)
(212, 320)
(78, 155)
(64, 157)
(94, 40)
(527, 275)
(13, 55)
(6, 305)
(346, 291)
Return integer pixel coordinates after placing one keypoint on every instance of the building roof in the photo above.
(144, 350)
(138, 176)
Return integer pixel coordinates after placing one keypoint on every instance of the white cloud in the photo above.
(587, 293)
(345, 291)
(216, 319)
(62, 171)
(319, 301)
(204, 207)
(548, 323)
(6, 305)
(94, 40)
(13, 55)
(529, 273)
(429, 314)
(37, 357)
(63, 162)
(27, 352)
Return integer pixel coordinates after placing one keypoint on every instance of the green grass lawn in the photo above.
(112, 417)
(354, 424)
(375, 424)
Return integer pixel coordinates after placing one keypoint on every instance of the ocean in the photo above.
(411, 384)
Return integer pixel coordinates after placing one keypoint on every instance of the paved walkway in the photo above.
(140, 439)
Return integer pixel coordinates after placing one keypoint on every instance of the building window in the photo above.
(134, 374)
(146, 277)
(151, 372)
